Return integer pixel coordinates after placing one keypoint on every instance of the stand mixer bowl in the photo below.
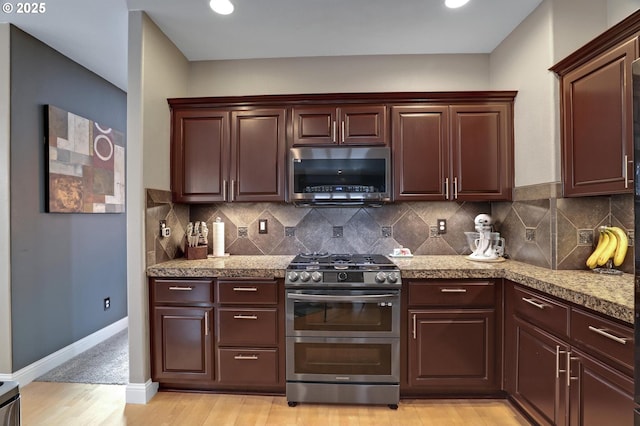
(485, 245)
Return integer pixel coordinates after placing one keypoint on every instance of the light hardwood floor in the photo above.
(70, 404)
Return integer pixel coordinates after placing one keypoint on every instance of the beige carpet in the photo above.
(106, 363)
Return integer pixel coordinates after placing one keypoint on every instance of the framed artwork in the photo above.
(86, 165)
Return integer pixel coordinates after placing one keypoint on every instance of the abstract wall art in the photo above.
(86, 165)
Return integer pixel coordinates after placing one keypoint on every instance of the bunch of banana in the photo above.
(612, 244)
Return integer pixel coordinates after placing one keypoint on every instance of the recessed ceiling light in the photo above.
(223, 7)
(452, 4)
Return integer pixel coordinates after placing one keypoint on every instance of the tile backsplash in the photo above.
(545, 231)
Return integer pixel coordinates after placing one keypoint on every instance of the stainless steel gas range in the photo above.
(343, 329)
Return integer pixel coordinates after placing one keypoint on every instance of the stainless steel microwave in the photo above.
(339, 176)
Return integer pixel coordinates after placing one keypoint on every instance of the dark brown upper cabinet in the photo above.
(453, 152)
(199, 155)
(229, 156)
(258, 145)
(596, 113)
(333, 125)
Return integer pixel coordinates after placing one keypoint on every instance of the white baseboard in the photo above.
(140, 393)
(31, 372)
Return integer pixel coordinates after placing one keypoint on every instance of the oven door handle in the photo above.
(332, 298)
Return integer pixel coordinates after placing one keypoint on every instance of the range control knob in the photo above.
(342, 276)
(381, 277)
(316, 276)
(304, 276)
(392, 277)
(292, 276)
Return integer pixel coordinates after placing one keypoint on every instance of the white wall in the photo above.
(575, 23)
(341, 74)
(5, 219)
(157, 71)
(521, 63)
(617, 10)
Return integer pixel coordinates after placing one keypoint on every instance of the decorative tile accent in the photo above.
(385, 231)
(433, 232)
(243, 232)
(585, 237)
(337, 231)
(289, 231)
(530, 234)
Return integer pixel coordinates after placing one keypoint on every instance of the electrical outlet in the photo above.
(165, 231)
(107, 303)
(442, 226)
(262, 226)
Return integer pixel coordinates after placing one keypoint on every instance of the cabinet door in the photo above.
(482, 152)
(599, 394)
(538, 382)
(597, 124)
(258, 155)
(315, 125)
(333, 125)
(363, 125)
(199, 155)
(453, 350)
(182, 344)
(420, 152)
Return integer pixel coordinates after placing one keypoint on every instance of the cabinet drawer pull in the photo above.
(534, 303)
(414, 326)
(625, 171)
(245, 289)
(453, 290)
(246, 317)
(246, 357)
(342, 131)
(180, 288)
(224, 190)
(446, 188)
(558, 352)
(600, 331)
(455, 188)
(206, 323)
(333, 132)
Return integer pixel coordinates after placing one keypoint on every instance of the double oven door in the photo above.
(349, 336)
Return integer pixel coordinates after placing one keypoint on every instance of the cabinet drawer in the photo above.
(250, 366)
(605, 337)
(541, 311)
(248, 292)
(452, 293)
(182, 291)
(247, 326)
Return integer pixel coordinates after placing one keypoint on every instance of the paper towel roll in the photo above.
(218, 237)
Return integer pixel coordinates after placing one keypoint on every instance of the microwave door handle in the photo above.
(332, 298)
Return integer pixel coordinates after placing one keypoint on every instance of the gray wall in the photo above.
(62, 265)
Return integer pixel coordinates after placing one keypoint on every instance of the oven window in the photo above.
(342, 316)
(343, 358)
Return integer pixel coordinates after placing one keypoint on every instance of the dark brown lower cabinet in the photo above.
(599, 395)
(452, 350)
(538, 383)
(225, 334)
(566, 366)
(182, 344)
(452, 339)
(250, 335)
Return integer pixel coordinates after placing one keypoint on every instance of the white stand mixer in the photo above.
(486, 245)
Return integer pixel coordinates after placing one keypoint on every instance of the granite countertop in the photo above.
(612, 295)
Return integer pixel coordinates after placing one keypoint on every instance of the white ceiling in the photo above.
(94, 32)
